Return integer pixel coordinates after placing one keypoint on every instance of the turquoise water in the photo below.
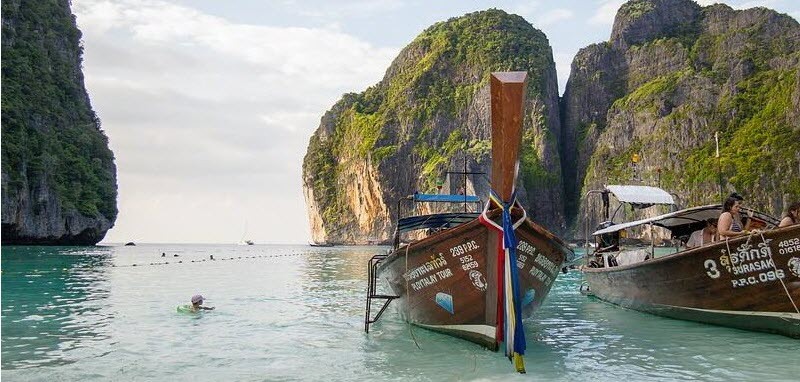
(296, 313)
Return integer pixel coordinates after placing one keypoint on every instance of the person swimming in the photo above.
(197, 305)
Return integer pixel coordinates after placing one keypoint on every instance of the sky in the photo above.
(209, 105)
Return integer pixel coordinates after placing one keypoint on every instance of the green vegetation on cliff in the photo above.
(49, 132)
(758, 143)
(714, 70)
(423, 105)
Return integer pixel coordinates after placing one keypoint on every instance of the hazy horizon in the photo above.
(209, 106)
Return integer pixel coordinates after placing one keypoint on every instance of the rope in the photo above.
(513, 332)
(408, 304)
(728, 246)
(208, 260)
(61, 270)
(775, 266)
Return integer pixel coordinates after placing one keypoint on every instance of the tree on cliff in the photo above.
(58, 173)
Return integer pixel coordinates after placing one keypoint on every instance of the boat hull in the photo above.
(751, 283)
(448, 281)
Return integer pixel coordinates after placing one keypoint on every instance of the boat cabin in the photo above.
(679, 225)
(420, 215)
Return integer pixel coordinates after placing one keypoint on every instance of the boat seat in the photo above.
(632, 256)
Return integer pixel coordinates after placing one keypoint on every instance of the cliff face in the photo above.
(58, 174)
(428, 115)
(672, 75)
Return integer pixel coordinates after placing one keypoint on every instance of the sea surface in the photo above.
(296, 313)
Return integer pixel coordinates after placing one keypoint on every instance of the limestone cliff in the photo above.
(429, 113)
(672, 75)
(58, 174)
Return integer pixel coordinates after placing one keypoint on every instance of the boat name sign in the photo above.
(432, 279)
(746, 260)
(436, 262)
(538, 259)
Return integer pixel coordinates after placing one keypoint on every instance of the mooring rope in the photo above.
(775, 266)
(408, 303)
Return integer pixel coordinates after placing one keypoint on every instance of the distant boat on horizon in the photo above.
(313, 244)
(244, 241)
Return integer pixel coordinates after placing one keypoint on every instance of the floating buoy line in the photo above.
(210, 259)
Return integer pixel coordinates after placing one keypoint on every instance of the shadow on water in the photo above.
(52, 304)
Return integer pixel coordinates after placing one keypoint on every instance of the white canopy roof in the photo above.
(641, 195)
(677, 219)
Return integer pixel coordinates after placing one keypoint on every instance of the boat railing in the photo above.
(372, 293)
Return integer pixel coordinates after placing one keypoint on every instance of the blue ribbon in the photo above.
(510, 243)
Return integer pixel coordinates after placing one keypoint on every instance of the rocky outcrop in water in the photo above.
(429, 113)
(672, 75)
(58, 174)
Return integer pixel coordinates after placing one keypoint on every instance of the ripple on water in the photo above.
(296, 313)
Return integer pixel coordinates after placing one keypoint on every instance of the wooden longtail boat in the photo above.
(749, 282)
(465, 278)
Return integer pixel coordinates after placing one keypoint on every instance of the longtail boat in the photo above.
(475, 274)
(749, 282)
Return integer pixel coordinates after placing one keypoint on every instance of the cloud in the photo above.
(528, 10)
(604, 15)
(756, 3)
(209, 119)
(353, 8)
(553, 16)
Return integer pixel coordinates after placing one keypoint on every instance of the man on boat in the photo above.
(703, 236)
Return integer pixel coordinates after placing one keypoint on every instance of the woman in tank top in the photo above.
(730, 221)
(792, 216)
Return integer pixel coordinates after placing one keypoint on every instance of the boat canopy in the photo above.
(686, 220)
(641, 195)
(446, 198)
(435, 221)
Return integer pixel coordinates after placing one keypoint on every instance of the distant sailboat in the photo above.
(244, 241)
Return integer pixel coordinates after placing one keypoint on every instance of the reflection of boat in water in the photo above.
(464, 277)
(750, 282)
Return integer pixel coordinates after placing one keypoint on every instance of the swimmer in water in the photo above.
(197, 304)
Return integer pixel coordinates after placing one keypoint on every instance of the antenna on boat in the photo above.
(464, 174)
(719, 167)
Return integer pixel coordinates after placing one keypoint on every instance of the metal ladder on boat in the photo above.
(371, 293)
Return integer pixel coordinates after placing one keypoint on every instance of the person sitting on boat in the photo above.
(730, 221)
(197, 304)
(792, 216)
(703, 236)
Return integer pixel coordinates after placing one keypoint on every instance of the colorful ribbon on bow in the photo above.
(509, 299)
